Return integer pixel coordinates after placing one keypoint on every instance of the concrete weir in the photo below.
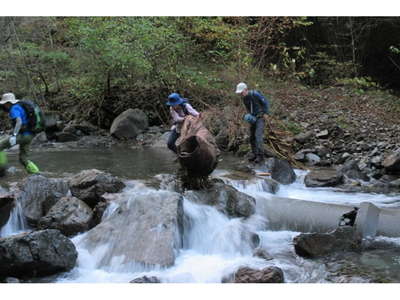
(309, 216)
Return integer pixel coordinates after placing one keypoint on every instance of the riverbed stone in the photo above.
(323, 178)
(145, 229)
(90, 185)
(63, 137)
(270, 185)
(392, 162)
(304, 136)
(145, 279)
(7, 202)
(129, 124)
(38, 253)
(312, 159)
(248, 275)
(38, 194)
(281, 170)
(69, 215)
(309, 245)
(351, 170)
(225, 198)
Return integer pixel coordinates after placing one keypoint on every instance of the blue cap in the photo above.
(175, 99)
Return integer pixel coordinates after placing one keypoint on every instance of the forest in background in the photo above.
(94, 68)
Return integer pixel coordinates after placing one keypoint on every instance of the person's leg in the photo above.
(259, 139)
(172, 139)
(4, 144)
(24, 142)
(252, 142)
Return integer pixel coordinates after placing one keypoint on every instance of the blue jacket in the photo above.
(256, 104)
(17, 111)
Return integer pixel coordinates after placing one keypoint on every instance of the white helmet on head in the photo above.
(240, 87)
(8, 97)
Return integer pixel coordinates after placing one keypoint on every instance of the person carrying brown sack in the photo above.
(179, 109)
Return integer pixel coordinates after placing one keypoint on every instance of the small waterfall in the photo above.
(16, 223)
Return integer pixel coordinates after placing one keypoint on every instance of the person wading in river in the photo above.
(21, 134)
(179, 109)
(257, 107)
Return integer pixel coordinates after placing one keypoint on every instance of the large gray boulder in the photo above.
(38, 194)
(226, 199)
(248, 275)
(323, 178)
(6, 206)
(129, 124)
(318, 244)
(281, 170)
(37, 253)
(90, 185)
(145, 229)
(351, 170)
(392, 162)
(69, 215)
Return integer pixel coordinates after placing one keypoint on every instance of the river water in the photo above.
(213, 244)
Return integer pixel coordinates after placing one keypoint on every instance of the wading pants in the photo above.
(257, 137)
(24, 142)
(172, 139)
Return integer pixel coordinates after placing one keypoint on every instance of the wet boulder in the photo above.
(129, 124)
(392, 162)
(249, 275)
(6, 206)
(281, 170)
(145, 279)
(39, 139)
(351, 170)
(69, 215)
(262, 253)
(79, 129)
(37, 253)
(145, 229)
(161, 141)
(90, 185)
(63, 137)
(312, 245)
(38, 194)
(323, 178)
(226, 199)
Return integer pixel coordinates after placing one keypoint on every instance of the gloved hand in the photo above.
(250, 118)
(13, 140)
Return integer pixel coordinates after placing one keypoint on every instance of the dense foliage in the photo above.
(96, 67)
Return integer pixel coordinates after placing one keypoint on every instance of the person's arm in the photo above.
(192, 111)
(263, 101)
(175, 116)
(18, 125)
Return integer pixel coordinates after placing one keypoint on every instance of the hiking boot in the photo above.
(31, 168)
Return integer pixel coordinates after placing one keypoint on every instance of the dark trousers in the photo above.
(257, 136)
(172, 139)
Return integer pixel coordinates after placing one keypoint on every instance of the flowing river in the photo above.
(213, 246)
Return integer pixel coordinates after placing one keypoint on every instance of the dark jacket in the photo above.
(256, 104)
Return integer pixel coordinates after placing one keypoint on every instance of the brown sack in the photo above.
(197, 151)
